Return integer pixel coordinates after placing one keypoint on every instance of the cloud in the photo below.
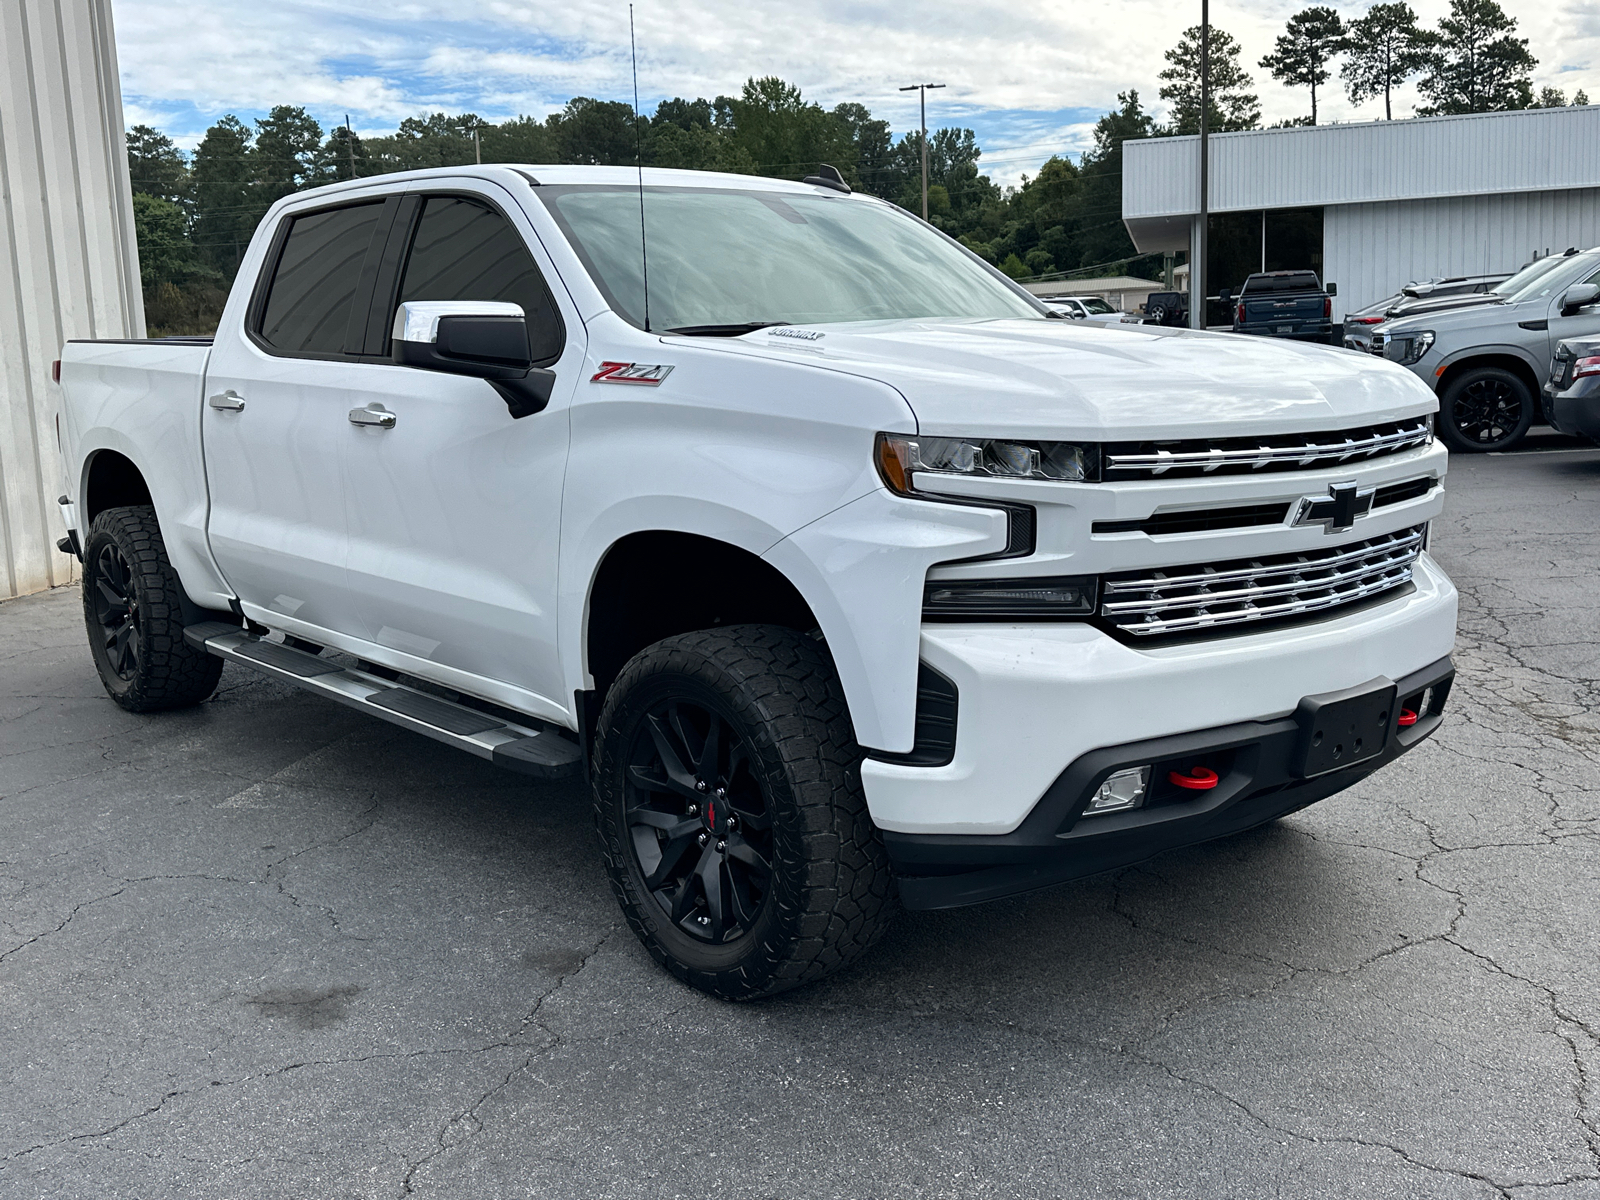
(1028, 77)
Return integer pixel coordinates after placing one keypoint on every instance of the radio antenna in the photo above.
(638, 159)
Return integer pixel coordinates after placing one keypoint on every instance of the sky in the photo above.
(1029, 76)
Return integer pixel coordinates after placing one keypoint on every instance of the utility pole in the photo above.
(923, 88)
(350, 144)
(1197, 268)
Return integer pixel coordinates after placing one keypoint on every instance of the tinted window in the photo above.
(312, 291)
(464, 250)
(1298, 282)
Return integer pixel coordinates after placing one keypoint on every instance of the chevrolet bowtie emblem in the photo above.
(1339, 510)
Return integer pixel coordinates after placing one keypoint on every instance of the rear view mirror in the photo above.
(482, 339)
(1579, 295)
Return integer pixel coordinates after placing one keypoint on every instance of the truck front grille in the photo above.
(1244, 456)
(1201, 598)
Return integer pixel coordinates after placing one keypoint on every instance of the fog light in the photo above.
(1124, 790)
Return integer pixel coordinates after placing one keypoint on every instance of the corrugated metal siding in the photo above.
(1371, 250)
(69, 266)
(1538, 150)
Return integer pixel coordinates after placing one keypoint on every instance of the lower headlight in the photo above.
(1412, 348)
(1010, 599)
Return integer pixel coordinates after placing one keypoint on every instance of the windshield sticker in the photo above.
(789, 331)
(642, 374)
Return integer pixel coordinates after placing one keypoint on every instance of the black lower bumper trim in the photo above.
(1259, 766)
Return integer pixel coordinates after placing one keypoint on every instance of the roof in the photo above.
(1536, 150)
(545, 173)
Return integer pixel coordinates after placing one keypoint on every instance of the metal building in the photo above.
(1373, 206)
(69, 266)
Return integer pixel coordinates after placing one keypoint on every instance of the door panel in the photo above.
(273, 465)
(454, 512)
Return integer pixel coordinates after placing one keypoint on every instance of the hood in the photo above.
(1499, 315)
(1425, 304)
(1072, 379)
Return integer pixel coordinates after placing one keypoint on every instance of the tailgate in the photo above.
(1283, 310)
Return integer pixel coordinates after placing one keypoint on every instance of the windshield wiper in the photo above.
(731, 330)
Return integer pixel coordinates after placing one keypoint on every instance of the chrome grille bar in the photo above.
(1283, 585)
(1239, 452)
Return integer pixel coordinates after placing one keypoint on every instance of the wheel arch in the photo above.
(111, 480)
(713, 583)
(1505, 359)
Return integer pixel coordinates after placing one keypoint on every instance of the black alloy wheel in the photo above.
(1487, 408)
(698, 822)
(732, 821)
(133, 612)
(116, 610)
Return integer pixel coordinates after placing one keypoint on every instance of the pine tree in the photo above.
(1232, 105)
(1383, 49)
(223, 194)
(156, 165)
(1477, 65)
(1301, 55)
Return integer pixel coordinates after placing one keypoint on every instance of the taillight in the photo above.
(55, 371)
(1327, 307)
(1363, 321)
(1586, 366)
(1241, 312)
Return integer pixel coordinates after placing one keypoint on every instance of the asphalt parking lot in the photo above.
(268, 948)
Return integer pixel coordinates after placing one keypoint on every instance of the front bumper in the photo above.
(1258, 781)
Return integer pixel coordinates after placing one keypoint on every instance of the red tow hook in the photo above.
(1196, 779)
(1407, 717)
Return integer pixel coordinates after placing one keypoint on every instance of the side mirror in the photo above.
(1579, 295)
(1333, 289)
(482, 339)
(1225, 296)
(1079, 315)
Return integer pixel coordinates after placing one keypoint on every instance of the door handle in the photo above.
(228, 401)
(373, 414)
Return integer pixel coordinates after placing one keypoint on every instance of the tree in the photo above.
(784, 135)
(590, 132)
(222, 192)
(1233, 106)
(288, 140)
(1301, 55)
(1477, 65)
(1101, 236)
(156, 165)
(343, 156)
(1580, 97)
(1382, 50)
(1550, 97)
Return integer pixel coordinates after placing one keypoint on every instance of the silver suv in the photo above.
(1486, 362)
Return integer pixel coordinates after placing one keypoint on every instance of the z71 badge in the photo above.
(642, 374)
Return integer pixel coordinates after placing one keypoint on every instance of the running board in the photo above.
(543, 754)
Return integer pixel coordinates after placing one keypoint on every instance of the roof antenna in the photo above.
(638, 159)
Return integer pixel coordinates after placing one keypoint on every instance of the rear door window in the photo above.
(465, 250)
(313, 291)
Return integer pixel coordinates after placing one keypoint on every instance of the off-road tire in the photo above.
(159, 669)
(830, 893)
(1485, 394)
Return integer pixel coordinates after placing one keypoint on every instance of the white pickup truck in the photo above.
(846, 573)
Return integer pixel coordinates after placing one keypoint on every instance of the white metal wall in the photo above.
(1535, 150)
(69, 265)
(1370, 250)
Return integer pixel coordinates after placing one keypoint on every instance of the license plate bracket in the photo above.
(1341, 729)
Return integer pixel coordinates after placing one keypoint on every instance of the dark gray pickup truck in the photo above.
(1286, 304)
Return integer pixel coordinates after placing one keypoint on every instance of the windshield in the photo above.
(735, 257)
(1528, 276)
(1097, 306)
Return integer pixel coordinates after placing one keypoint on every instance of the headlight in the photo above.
(1410, 349)
(899, 456)
(1010, 599)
